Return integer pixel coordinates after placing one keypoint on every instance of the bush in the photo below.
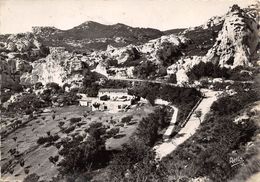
(31, 178)
(145, 70)
(38, 85)
(75, 120)
(113, 131)
(172, 78)
(5, 96)
(53, 86)
(28, 102)
(17, 88)
(48, 139)
(207, 70)
(61, 123)
(68, 98)
(226, 105)
(232, 104)
(126, 119)
(69, 129)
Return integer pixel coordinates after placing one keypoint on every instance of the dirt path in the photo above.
(190, 128)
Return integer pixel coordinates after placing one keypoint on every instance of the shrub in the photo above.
(28, 111)
(113, 131)
(28, 102)
(61, 123)
(31, 178)
(126, 119)
(145, 70)
(5, 96)
(207, 70)
(68, 98)
(53, 86)
(232, 104)
(48, 139)
(17, 88)
(38, 85)
(54, 159)
(172, 78)
(75, 120)
(69, 129)
(42, 140)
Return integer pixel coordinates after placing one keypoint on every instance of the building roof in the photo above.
(113, 90)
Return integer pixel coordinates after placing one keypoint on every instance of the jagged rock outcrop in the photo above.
(237, 40)
(122, 55)
(23, 42)
(236, 43)
(163, 48)
(214, 21)
(182, 66)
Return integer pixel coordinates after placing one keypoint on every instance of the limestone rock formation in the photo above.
(163, 48)
(123, 54)
(59, 66)
(237, 40)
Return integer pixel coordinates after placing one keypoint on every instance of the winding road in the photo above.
(190, 128)
(169, 130)
(149, 81)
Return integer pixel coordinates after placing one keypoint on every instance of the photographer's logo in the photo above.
(236, 161)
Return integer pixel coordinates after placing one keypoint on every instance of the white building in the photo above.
(114, 94)
(112, 100)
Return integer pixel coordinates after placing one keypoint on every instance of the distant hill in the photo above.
(93, 35)
(174, 31)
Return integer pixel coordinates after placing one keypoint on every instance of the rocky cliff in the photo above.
(59, 66)
(237, 40)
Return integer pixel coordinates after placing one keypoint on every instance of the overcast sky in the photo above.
(20, 15)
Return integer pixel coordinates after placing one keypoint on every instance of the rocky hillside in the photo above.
(52, 55)
(228, 41)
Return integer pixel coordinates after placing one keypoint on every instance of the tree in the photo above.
(147, 130)
(145, 69)
(80, 156)
(198, 114)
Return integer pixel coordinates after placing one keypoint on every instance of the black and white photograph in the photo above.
(130, 90)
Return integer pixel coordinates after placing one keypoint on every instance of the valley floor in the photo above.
(36, 157)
